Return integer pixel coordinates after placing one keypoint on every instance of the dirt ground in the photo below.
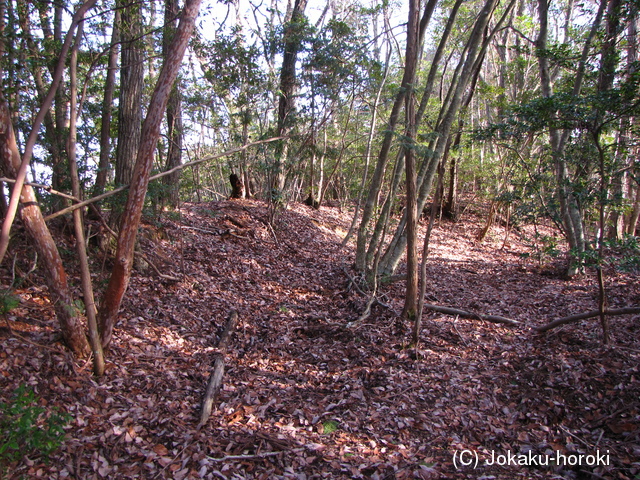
(306, 397)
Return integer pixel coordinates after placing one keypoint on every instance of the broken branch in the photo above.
(465, 314)
(215, 380)
(582, 316)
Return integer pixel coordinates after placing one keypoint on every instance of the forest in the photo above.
(380, 239)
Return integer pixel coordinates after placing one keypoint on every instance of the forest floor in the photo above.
(303, 395)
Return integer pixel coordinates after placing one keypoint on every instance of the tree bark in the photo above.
(396, 245)
(367, 154)
(286, 99)
(378, 175)
(174, 112)
(53, 131)
(31, 216)
(411, 60)
(632, 58)
(469, 63)
(130, 100)
(105, 126)
(85, 273)
(21, 173)
(121, 272)
(569, 209)
(60, 172)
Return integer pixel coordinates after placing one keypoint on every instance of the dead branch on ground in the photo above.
(583, 316)
(215, 380)
(471, 315)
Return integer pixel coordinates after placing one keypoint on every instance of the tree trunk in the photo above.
(131, 85)
(468, 66)
(371, 202)
(367, 154)
(411, 60)
(376, 242)
(286, 100)
(21, 173)
(144, 163)
(450, 208)
(60, 176)
(53, 134)
(570, 211)
(85, 274)
(174, 111)
(632, 58)
(130, 99)
(104, 165)
(31, 216)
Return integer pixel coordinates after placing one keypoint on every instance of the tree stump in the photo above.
(237, 186)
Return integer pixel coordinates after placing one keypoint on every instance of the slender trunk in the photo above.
(104, 165)
(377, 237)
(569, 208)
(21, 173)
(632, 57)
(367, 154)
(451, 205)
(57, 136)
(144, 163)
(286, 100)
(378, 174)
(31, 216)
(469, 64)
(174, 111)
(608, 65)
(396, 247)
(53, 132)
(411, 59)
(603, 187)
(324, 183)
(437, 57)
(634, 216)
(87, 288)
(417, 324)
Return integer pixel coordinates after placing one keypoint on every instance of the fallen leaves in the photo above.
(305, 397)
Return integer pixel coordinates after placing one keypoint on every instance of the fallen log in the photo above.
(471, 315)
(215, 380)
(582, 316)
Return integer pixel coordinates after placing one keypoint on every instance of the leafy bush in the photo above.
(27, 429)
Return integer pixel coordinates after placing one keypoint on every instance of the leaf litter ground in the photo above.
(304, 396)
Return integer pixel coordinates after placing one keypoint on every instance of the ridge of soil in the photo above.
(305, 397)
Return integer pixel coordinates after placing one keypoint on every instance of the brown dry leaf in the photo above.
(292, 368)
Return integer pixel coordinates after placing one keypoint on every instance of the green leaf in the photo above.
(329, 426)
(8, 302)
